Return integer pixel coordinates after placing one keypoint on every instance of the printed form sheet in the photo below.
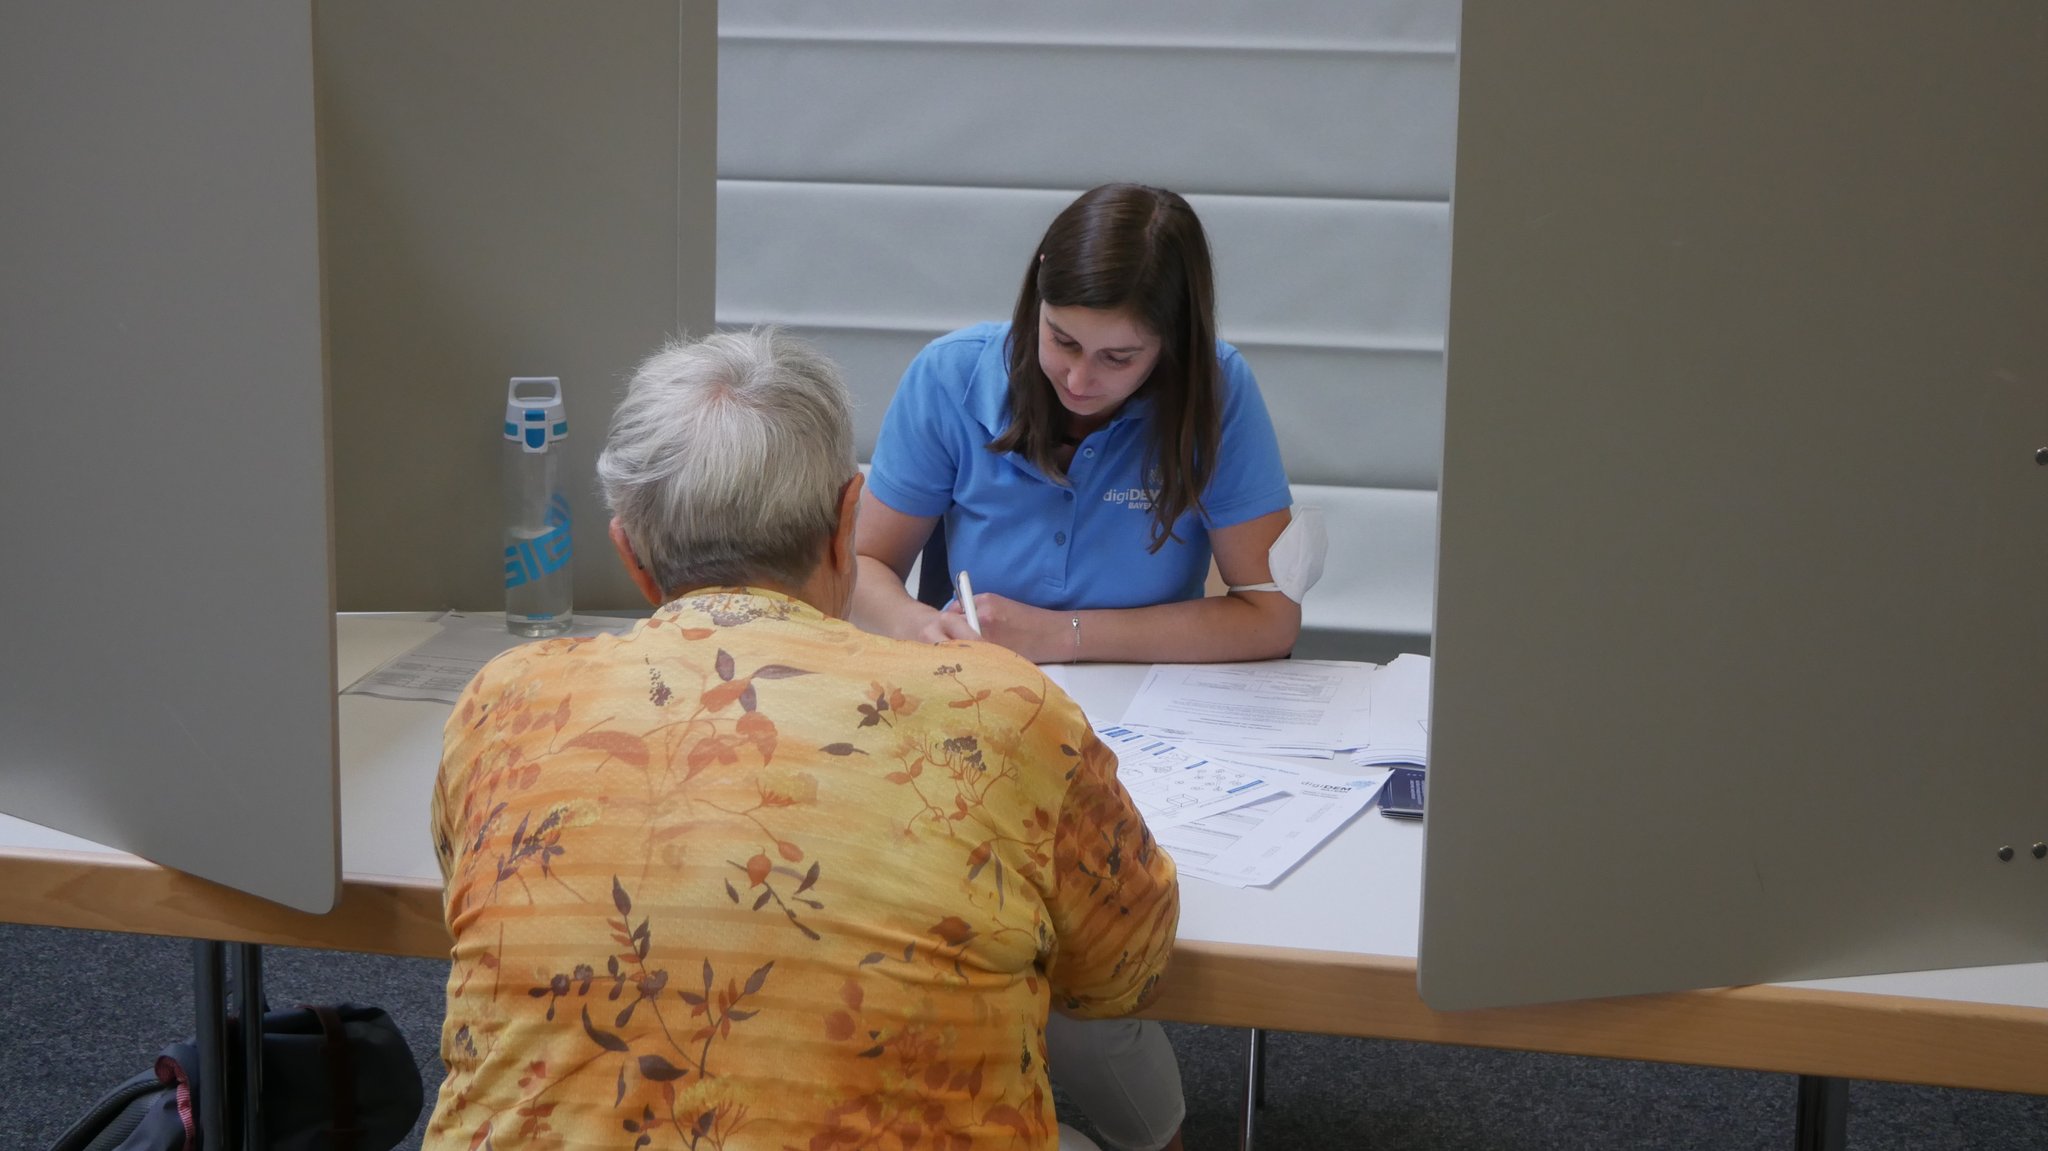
(1302, 707)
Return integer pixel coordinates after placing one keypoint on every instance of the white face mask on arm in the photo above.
(1296, 558)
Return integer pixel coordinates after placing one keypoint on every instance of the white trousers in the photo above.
(1122, 1074)
(1072, 1140)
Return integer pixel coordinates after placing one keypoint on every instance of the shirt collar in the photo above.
(988, 397)
(733, 606)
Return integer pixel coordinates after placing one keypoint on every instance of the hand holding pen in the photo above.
(1037, 634)
(964, 587)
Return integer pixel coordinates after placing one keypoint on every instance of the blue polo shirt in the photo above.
(1066, 547)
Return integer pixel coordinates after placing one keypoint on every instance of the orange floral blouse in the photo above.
(748, 877)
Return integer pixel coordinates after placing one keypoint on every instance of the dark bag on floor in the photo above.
(337, 1078)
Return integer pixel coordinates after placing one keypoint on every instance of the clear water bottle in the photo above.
(538, 546)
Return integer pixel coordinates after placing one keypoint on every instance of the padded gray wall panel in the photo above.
(896, 256)
(1401, 25)
(1024, 115)
(1367, 274)
(1354, 418)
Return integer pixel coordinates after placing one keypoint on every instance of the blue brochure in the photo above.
(1401, 795)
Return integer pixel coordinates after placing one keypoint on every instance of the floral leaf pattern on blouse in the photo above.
(746, 877)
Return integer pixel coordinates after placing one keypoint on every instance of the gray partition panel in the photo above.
(507, 189)
(1741, 642)
(166, 676)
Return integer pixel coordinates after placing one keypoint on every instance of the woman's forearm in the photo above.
(1241, 626)
(881, 604)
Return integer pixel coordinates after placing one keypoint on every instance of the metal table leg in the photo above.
(1254, 1089)
(210, 1018)
(229, 1029)
(1823, 1122)
(1259, 1069)
(248, 1006)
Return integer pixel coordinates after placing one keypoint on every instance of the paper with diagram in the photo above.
(1258, 844)
(1172, 785)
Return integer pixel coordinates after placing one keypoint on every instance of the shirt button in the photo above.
(1089, 452)
(1070, 495)
(1059, 538)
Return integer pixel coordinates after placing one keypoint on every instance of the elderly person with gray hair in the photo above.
(746, 876)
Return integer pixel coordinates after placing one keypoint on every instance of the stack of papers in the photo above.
(1395, 728)
(1243, 770)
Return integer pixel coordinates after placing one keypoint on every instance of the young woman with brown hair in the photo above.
(1088, 458)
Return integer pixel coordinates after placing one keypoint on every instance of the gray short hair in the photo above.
(726, 460)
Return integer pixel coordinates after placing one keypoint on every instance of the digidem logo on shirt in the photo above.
(1136, 499)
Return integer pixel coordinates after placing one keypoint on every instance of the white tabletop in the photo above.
(1360, 893)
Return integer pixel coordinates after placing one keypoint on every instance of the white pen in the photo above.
(966, 587)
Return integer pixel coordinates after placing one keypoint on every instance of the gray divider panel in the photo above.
(1741, 647)
(509, 188)
(166, 686)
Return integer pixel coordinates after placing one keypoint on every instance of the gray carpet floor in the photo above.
(82, 1011)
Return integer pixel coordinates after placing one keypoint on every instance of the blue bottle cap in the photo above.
(533, 412)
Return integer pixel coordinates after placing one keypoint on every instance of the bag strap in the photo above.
(341, 1078)
(113, 1118)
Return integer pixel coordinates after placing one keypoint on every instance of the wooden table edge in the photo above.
(1805, 1031)
(109, 892)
